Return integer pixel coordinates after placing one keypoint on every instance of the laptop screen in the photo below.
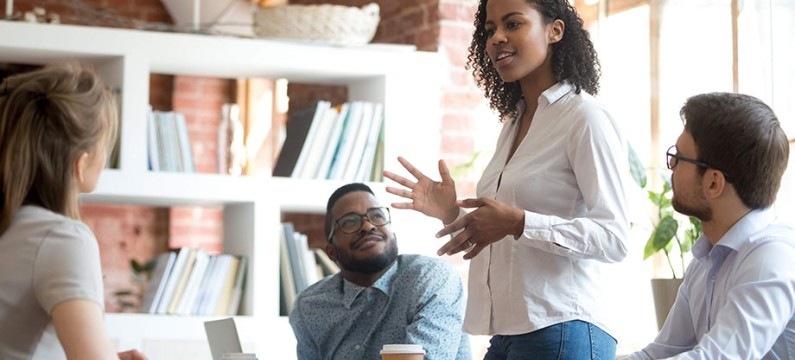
(222, 337)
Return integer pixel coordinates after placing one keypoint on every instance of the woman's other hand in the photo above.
(131, 355)
(432, 198)
(490, 222)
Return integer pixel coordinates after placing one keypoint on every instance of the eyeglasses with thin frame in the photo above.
(353, 222)
(673, 159)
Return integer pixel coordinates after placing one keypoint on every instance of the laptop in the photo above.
(222, 337)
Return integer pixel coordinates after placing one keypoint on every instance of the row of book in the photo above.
(342, 142)
(300, 266)
(168, 142)
(193, 282)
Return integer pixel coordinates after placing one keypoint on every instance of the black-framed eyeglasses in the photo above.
(353, 222)
(673, 159)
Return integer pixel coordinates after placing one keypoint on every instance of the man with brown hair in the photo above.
(738, 296)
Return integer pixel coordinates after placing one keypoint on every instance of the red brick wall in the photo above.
(196, 227)
(435, 25)
(431, 25)
(200, 100)
(140, 233)
(125, 233)
(460, 94)
(111, 13)
(414, 22)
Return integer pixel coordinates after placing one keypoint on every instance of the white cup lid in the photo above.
(402, 349)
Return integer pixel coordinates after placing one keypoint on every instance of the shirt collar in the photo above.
(553, 94)
(557, 91)
(351, 291)
(739, 234)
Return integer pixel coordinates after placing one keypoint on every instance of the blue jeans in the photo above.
(569, 340)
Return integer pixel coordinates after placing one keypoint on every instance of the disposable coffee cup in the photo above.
(238, 356)
(402, 352)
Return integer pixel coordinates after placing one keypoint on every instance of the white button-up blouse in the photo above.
(568, 175)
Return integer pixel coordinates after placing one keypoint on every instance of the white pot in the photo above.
(664, 292)
(213, 14)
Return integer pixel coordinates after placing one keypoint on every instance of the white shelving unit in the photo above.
(407, 82)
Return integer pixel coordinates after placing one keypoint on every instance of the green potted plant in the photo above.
(669, 231)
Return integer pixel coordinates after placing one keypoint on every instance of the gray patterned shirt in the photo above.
(419, 300)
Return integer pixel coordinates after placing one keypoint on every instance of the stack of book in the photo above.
(168, 142)
(193, 282)
(342, 142)
(300, 265)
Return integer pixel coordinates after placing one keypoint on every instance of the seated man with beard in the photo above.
(379, 297)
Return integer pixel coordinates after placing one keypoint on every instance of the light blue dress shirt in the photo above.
(419, 300)
(738, 298)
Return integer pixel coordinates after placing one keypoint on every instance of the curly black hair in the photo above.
(573, 58)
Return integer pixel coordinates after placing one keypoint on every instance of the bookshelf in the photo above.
(405, 81)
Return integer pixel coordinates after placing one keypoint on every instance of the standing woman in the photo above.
(551, 209)
(56, 126)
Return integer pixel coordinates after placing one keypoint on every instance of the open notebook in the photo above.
(222, 337)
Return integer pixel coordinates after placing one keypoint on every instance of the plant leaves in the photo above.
(692, 234)
(654, 197)
(666, 176)
(636, 168)
(661, 237)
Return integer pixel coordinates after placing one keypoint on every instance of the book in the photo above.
(173, 142)
(333, 142)
(183, 282)
(183, 140)
(237, 288)
(173, 278)
(215, 283)
(347, 139)
(185, 305)
(161, 135)
(296, 257)
(154, 291)
(286, 272)
(359, 143)
(329, 267)
(223, 138)
(298, 124)
(310, 141)
(318, 149)
(373, 137)
(167, 141)
(377, 173)
(204, 288)
(308, 260)
(226, 287)
(152, 141)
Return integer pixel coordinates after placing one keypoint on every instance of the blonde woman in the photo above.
(56, 126)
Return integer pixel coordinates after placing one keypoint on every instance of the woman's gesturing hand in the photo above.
(491, 221)
(432, 198)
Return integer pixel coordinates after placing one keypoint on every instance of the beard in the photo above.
(369, 265)
(700, 210)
